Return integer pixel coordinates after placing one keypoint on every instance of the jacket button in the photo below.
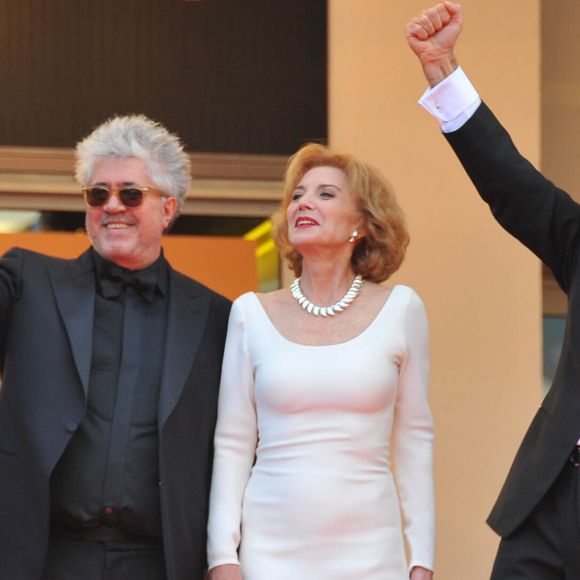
(71, 426)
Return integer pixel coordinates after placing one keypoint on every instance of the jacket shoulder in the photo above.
(194, 288)
(37, 257)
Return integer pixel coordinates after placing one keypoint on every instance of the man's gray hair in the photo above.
(137, 136)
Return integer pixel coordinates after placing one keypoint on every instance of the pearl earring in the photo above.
(353, 237)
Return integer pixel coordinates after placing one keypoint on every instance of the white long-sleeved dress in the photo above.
(320, 449)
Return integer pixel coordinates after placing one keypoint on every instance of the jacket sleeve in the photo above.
(412, 439)
(529, 206)
(11, 265)
(235, 444)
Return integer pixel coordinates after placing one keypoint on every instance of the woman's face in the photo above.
(322, 211)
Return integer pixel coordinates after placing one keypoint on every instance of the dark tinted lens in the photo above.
(97, 196)
(131, 196)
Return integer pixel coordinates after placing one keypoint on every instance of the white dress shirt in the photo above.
(452, 101)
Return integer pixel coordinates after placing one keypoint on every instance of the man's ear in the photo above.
(169, 211)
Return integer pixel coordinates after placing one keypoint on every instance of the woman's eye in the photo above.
(326, 194)
(296, 196)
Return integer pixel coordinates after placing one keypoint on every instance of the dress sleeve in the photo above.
(235, 444)
(412, 439)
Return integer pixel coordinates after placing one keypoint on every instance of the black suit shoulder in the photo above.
(36, 257)
(194, 288)
(16, 258)
(20, 266)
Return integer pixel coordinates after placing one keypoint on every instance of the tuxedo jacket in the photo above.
(547, 221)
(46, 330)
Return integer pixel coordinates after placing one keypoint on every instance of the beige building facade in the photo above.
(483, 291)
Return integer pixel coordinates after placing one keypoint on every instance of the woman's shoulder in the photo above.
(269, 302)
(405, 292)
(411, 303)
(402, 298)
(243, 305)
(272, 298)
(245, 298)
(384, 291)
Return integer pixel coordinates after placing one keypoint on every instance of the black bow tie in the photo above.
(114, 279)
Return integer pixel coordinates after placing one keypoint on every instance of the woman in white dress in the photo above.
(323, 446)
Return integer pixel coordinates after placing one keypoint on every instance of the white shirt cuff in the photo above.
(452, 101)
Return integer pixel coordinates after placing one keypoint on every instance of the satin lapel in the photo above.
(74, 290)
(186, 321)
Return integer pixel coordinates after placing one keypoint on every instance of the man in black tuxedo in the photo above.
(538, 511)
(110, 365)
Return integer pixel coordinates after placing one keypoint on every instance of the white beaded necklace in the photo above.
(343, 303)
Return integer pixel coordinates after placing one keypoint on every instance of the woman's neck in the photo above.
(325, 282)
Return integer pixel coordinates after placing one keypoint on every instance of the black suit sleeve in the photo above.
(11, 265)
(529, 206)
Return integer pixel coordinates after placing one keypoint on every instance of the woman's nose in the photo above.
(305, 201)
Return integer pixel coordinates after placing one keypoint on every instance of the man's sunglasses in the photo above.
(132, 196)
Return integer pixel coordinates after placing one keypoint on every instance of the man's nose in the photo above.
(114, 204)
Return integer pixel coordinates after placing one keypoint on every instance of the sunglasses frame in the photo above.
(116, 191)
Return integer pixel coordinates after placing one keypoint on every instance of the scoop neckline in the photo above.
(331, 344)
